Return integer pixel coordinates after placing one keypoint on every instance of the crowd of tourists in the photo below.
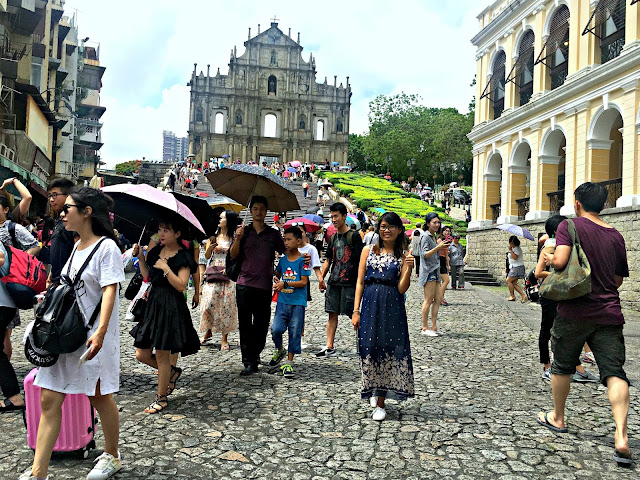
(244, 267)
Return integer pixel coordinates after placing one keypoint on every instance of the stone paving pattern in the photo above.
(478, 388)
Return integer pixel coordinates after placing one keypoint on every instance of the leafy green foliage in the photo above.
(401, 129)
(128, 168)
(368, 192)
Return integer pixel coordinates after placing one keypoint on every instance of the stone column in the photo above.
(307, 155)
(284, 156)
(598, 160)
(254, 153)
(244, 153)
(205, 156)
(631, 144)
(491, 194)
(632, 28)
(518, 190)
(547, 183)
(541, 80)
(505, 187)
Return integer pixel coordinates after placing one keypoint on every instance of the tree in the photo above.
(401, 129)
(128, 168)
(356, 152)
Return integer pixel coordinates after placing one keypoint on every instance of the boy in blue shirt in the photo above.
(292, 274)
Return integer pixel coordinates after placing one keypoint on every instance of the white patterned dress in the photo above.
(218, 303)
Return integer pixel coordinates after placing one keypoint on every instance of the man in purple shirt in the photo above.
(595, 318)
(255, 282)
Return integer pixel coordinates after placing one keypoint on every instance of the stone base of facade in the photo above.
(488, 246)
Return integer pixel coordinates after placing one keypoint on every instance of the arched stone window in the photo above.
(555, 53)
(320, 130)
(238, 117)
(607, 22)
(270, 125)
(339, 125)
(219, 123)
(524, 68)
(498, 84)
(199, 114)
(302, 123)
(272, 83)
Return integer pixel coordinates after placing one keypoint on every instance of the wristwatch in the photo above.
(285, 284)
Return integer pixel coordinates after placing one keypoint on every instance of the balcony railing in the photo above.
(614, 190)
(556, 201)
(523, 207)
(495, 212)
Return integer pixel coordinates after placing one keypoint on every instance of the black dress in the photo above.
(166, 323)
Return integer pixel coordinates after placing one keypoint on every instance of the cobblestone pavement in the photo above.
(478, 388)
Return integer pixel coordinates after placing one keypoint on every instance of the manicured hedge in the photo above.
(368, 192)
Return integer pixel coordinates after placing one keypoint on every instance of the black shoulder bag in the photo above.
(59, 324)
(233, 265)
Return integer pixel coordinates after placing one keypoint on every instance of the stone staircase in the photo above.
(480, 276)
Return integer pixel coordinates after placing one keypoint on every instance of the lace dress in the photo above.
(383, 336)
(218, 302)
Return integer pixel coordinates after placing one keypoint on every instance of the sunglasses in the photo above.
(297, 224)
(67, 206)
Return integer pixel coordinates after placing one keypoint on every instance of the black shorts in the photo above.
(443, 266)
(339, 299)
(606, 341)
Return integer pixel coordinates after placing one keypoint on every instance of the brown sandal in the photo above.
(176, 373)
(157, 405)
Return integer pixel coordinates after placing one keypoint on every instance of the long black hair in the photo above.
(400, 244)
(232, 222)
(101, 205)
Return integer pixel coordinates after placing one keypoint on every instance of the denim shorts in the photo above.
(339, 299)
(606, 341)
(432, 277)
(289, 317)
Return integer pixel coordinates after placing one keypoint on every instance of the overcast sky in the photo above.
(149, 47)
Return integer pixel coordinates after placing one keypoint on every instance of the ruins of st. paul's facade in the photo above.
(269, 105)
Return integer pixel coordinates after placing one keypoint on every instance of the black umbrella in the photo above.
(242, 182)
(140, 206)
(202, 210)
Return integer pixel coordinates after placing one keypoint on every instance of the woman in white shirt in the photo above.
(516, 269)
(86, 211)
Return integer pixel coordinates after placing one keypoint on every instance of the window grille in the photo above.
(496, 85)
(633, 2)
(607, 22)
(521, 74)
(557, 41)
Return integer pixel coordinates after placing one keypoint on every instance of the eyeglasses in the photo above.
(389, 228)
(53, 196)
(67, 206)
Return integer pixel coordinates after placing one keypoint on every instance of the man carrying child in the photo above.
(292, 274)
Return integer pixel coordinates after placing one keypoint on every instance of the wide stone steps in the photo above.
(480, 276)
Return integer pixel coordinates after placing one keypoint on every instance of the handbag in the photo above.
(59, 322)
(233, 265)
(140, 305)
(574, 280)
(215, 274)
(134, 286)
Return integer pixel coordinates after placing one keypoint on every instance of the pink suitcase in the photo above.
(78, 419)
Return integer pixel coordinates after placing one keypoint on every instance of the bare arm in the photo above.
(235, 248)
(179, 281)
(619, 281)
(106, 308)
(362, 272)
(560, 258)
(142, 263)
(405, 274)
(540, 268)
(24, 193)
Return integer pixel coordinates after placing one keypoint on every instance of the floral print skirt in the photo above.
(218, 307)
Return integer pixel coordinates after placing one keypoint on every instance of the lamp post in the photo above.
(443, 169)
(411, 163)
(388, 160)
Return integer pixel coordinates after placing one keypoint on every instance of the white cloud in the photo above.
(149, 47)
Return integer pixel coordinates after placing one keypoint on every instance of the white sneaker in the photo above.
(27, 475)
(304, 345)
(425, 332)
(430, 333)
(379, 414)
(373, 400)
(106, 466)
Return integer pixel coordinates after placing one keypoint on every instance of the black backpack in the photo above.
(59, 325)
(233, 265)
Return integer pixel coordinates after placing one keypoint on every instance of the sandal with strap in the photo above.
(176, 373)
(157, 405)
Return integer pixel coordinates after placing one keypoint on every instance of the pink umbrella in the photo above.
(331, 230)
(295, 163)
(202, 194)
(136, 205)
(309, 225)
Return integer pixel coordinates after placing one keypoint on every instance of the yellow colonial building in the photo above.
(558, 95)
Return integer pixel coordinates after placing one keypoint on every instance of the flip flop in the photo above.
(224, 347)
(9, 406)
(551, 427)
(622, 459)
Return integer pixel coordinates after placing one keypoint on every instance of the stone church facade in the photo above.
(269, 105)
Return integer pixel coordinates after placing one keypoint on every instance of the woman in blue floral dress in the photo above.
(381, 321)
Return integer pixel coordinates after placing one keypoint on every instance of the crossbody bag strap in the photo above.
(573, 232)
(86, 262)
(95, 313)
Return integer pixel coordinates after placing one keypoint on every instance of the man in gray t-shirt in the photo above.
(456, 262)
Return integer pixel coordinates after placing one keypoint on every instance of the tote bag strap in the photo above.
(86, 262)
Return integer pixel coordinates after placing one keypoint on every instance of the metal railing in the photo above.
(556, 201)
(614, 190)
(495, 212)
(524, 205)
